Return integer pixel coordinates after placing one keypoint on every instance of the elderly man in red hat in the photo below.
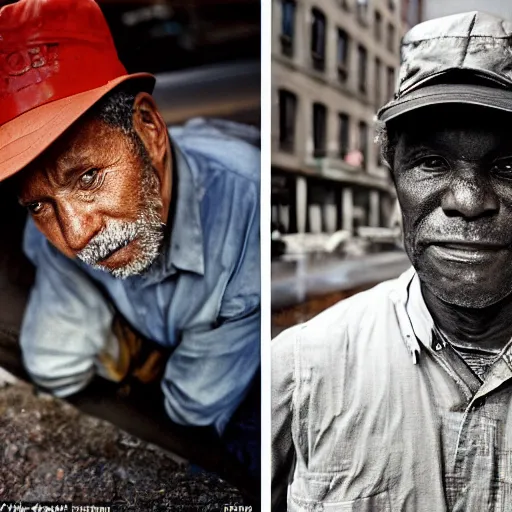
(140, 238)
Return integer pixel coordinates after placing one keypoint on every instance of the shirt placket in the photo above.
(477, 447)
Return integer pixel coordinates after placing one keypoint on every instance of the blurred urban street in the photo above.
(335, 218)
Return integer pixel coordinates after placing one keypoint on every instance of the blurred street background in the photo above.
(336, 225)
(205, 54)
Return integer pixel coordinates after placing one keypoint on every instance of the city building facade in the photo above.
(413, 12)
(334, 63)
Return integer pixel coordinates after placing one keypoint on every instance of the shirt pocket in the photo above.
(315, 494)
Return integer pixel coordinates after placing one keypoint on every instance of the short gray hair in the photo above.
(116, 110)
(386, 139)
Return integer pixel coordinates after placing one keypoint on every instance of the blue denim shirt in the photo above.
(201, 297)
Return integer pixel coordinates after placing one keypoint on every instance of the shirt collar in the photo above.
(183, 244)
(417, 310)
(417, 327)
(416, 324)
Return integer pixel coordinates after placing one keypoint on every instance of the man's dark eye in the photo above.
(35, 207)
(433, 163)
(503, 168)
(89, 178)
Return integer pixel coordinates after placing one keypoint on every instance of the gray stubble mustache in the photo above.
(113, 237)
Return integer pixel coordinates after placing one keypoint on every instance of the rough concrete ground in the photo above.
(142, 415)
(49, 451)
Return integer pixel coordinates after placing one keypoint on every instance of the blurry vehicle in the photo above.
(228, 90)
(341, 243)
(298, 244)
(379, 238)
(379, 234)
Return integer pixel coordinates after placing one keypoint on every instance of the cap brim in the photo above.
(25, 137)
(471, 94)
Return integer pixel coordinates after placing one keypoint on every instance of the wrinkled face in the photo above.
(96, 197)
(453, 175)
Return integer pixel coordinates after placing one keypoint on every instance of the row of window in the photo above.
(288, 121)
(411, 12)
(318, 50)
(362, 69)
(362, 9)
(318, 29)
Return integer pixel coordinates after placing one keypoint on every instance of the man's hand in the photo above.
(139, 358)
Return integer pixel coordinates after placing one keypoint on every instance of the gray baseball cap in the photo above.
(465, 58)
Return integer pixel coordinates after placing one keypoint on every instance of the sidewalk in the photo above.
(295, 281)
(53, 452)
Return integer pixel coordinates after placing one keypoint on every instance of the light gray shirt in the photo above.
(371, 413)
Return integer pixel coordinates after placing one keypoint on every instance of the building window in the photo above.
(362, 11)
(405, 10)
(319, 129)
(344, 5)
(412, 12)
(287, 118)
(318, 39)
(287, 26)
(391, 83)
(342, 55)
(391, 5)
(378, 26)
(363, 142)
(344, 135)
(378, 72)
(391, 37)
(363, 57)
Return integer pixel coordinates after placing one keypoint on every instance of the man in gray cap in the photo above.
(399, 398)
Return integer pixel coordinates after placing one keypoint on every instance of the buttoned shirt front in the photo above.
(200, 298)
(372, 412)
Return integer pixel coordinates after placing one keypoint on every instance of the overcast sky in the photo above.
(437, 8)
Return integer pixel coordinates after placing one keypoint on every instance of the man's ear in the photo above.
(151, 128)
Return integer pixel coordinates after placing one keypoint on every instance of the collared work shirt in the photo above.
(371, 413)
(201, 297)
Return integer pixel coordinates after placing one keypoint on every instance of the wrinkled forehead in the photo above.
(89, 142)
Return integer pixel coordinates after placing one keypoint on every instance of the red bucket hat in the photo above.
(57, 59)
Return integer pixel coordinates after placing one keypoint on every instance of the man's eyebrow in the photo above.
(65, 176)
(410, 150)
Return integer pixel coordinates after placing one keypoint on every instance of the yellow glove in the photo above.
(138, 357)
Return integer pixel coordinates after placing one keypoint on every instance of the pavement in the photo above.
(51, 452)
(107, 445)
(293, 282)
